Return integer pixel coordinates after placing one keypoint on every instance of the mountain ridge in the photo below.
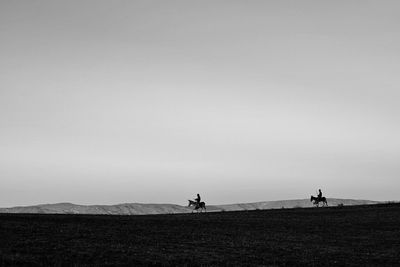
(154, 208)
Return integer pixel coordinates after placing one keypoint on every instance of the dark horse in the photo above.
(317, 200)
(197, 206)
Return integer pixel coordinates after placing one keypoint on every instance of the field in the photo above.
(352, 236)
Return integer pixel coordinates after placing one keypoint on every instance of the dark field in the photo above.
(358, 236)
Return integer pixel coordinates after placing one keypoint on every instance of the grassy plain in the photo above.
(335, 236)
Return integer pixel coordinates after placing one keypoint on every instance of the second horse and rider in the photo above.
(198, 204)
(318, 199)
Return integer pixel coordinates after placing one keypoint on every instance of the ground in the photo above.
(352, 236)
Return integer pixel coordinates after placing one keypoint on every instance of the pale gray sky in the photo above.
(105, 102)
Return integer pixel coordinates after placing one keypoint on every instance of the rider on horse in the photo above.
(319, 194)
(198, 204)
(319, 198)
(198, 199)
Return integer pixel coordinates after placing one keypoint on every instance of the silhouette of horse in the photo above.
(317, 200)
(197, 206)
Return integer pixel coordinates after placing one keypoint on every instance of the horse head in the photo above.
(191, 202)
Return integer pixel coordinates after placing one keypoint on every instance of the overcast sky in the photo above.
(105, 102)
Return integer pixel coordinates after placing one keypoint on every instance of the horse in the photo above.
(316, 201)
(197, 206)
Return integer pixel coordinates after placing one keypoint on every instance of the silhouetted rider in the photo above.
(319, 194)
(198, 199)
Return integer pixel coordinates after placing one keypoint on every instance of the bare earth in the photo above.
(367, 235)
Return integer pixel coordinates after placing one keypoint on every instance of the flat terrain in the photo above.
(353, 236)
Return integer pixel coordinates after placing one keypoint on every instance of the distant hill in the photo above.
(142, 209)
(294, 203)
(119, 209)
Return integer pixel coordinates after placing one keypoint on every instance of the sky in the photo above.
(106, 102)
